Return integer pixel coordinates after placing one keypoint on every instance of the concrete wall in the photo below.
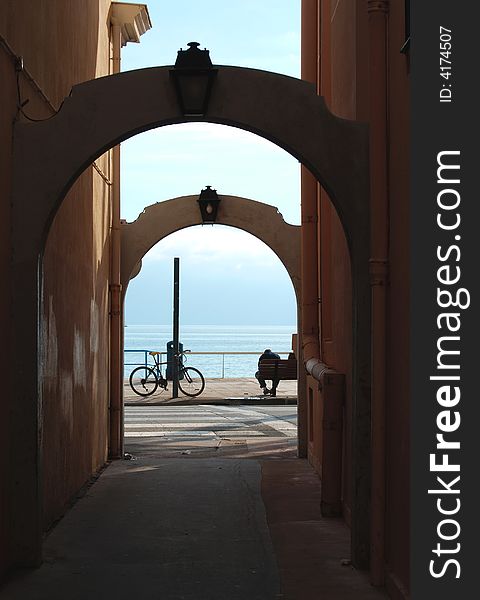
(336, 74)
(62, 42)
(164, 218)
(343, 78)
(76, 356)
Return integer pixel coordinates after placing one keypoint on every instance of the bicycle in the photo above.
(145, 380)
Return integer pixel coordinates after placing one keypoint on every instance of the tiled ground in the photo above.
(211, 431)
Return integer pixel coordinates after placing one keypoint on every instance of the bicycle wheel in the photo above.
(192, 383)
(143, 381)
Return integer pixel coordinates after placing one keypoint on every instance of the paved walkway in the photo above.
(227, 391)
(161, 529)
(188, 518)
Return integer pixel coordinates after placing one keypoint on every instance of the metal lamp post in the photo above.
(193, 77)
(176, 344)
(208, 202)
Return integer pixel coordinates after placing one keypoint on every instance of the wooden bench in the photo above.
(278, 369)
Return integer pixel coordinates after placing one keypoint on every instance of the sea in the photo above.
(210, 338)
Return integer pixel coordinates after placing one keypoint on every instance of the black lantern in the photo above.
(193, 78)
(208, 202)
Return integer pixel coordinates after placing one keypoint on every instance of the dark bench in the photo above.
(278, 369)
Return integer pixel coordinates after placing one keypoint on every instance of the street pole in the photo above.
(176, 297)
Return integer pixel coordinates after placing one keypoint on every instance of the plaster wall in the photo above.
(62, 43)
(330, 31)
(8, 115)
(315, 410)
(336, 42)
(75, 363)
(339, 20)
(163, 218)
(75, 296)
(343, 80)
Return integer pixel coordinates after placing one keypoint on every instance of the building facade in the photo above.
(356, 54)
(351, 54)
(46, 47)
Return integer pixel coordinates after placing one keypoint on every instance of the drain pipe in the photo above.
(116, 388)
(378, 61)
(309, 345)
(309, 210)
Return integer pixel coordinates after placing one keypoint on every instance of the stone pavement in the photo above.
(227, 391)
(211, 431)
(187, 518)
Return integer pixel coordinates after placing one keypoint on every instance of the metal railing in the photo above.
(146, 356)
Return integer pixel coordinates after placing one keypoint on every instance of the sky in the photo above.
(227, 277)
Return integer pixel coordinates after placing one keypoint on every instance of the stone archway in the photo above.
(161, 219)
(50, 155)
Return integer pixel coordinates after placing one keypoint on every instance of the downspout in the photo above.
(116, 395)
(309, 210)
(378, 61)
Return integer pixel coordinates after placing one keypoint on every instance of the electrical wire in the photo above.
(21, 104)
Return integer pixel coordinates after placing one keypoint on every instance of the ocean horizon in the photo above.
(210, 338)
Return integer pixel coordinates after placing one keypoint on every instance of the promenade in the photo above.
(226, 391)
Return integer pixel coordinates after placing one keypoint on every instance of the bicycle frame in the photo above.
(157, 365)
(144, 380)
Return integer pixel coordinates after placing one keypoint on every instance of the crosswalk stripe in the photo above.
(204, 422)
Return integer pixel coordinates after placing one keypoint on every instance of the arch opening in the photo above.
(101, 113)
(217, 252)
(159, 220)
(227, 289)
(227, 319)
(173, 161)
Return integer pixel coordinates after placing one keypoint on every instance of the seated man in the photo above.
(268, 354)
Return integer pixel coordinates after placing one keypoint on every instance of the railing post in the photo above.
(223, 365)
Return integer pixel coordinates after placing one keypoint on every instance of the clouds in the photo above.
(190, 142)
(182, 159)
(226, 277)
(203, 246)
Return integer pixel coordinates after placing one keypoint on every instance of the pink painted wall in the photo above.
(76, 353)
(62, 42)
(343, 79)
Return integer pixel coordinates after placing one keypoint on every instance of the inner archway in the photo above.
(263, 221)
(236, 298)
(164, 218)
